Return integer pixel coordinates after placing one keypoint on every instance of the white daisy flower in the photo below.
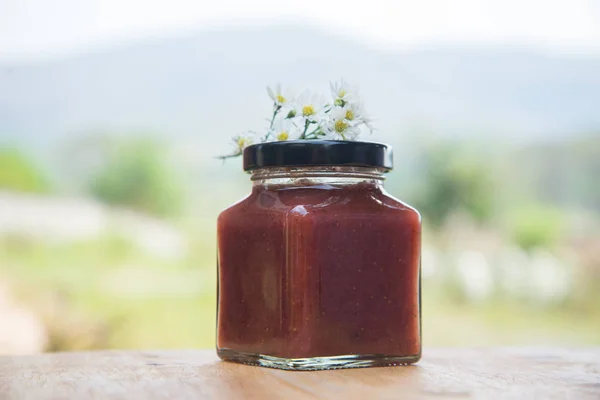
(355, 111)
(240, 142)
(339, 127)
(285, 129)
(280, 96)
(310, 106)
(342, 92)
(368, 122)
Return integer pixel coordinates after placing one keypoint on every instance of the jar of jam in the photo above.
(319, 267)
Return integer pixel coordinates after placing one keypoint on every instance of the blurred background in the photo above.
(112, 113)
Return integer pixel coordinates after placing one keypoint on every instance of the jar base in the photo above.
(316, 363)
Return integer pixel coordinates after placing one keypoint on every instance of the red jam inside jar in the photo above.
(319, 268)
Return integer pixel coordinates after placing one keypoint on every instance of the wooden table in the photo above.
(526, 373)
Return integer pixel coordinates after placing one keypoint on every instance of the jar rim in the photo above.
(317, 172)
(315, 153)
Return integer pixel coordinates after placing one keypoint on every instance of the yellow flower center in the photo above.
(281, 99)
(349, 115)
(242, 143)
(283, 136)
(340, 126)
(307, 111)
(342, 93)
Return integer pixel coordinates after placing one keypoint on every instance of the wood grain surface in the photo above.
(524, 373)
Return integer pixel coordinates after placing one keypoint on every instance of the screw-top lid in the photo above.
(305, 153)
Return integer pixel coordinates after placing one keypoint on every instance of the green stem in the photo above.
(276, 109)
(229, 156)
(315, 134)
(306, 124)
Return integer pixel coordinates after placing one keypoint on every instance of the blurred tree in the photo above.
(536, 226)
(136, 174)
(565, 173)
(453, 180)
(19, 173)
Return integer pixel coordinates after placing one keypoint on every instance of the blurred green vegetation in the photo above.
(137, 174)
(537, 226)
(453, 180)
(20, 173)
(564, 174)
(105, 293)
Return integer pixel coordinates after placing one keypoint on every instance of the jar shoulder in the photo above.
(305, 204)
(237, 207)
(401, 206)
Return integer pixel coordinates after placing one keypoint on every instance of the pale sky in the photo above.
(34, 29)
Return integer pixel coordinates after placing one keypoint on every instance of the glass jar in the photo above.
(319, 267)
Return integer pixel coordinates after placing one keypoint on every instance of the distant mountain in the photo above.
(211, 84)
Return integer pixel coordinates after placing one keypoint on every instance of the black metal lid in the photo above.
(296, 153)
